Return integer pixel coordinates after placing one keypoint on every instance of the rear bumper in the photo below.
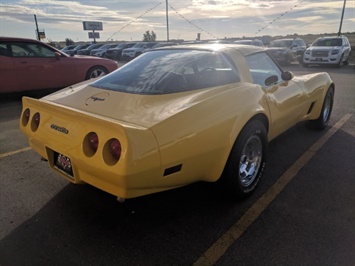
(64, 131)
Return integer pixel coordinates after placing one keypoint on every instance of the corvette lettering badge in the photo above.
(60, 129)
(97, 99)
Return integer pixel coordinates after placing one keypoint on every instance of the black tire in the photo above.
(96, 71)
(246, 162)
(340, 62)
(346, 62)
(322, 121)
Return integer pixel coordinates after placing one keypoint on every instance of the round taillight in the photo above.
(115, 149)
(35, 121)
(26, 117)
(93, 141)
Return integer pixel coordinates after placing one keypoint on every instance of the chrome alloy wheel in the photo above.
(250, 160)
(97, 73)
(327, 107)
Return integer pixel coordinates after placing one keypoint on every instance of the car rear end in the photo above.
(93, 149)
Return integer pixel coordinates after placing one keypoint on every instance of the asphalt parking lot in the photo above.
(303, 212)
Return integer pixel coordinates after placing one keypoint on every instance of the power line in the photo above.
(267, 25)
(125, 26)
(190, 22)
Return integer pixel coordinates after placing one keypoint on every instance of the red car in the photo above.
(27, 64)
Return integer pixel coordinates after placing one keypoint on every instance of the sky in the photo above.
(213, 19)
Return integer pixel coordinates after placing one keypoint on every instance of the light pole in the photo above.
(167, 20)
(341, 20)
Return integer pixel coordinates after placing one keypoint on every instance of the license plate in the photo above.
(63, 163)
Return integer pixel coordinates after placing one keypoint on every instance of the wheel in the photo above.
(346, 62)
(95, 72)
(322, 121)
(305, 65)
(340, 62)
(246, 161)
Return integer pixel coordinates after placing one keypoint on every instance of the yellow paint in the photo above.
(195, 129)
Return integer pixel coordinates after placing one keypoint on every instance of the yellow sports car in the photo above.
(174, 116)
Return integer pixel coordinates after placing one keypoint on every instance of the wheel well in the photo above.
(263, 119)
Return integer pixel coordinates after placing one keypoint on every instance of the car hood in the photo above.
(133, 49)
(277, 49)
(135, 109)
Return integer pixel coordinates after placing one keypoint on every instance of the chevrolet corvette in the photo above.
(174, 116)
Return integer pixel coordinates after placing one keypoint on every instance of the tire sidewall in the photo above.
(231, 174)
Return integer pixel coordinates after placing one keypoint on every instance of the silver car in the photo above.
(328, 51)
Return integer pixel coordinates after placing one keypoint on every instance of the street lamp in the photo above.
(167, 21)
(341, 20)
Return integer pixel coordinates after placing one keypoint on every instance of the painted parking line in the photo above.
(14, 152)
(217, 250)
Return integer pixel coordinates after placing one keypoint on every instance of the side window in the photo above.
(31, 50)
(215, 70)
(3, 50)
(262, 67)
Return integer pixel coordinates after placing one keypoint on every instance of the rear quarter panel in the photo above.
(201, 137)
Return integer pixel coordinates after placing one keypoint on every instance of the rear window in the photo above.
(170, 71)
(281, 43)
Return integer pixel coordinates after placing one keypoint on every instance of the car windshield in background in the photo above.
(281, 43)
(170, 71)
(328, 42)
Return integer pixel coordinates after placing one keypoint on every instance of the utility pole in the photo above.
(341, 20)
(167, 21)
(37, 31)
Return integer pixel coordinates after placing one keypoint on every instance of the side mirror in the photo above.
(271, 80)
(287, 75)
(57, 55)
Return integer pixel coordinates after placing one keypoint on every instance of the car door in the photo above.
(37, 66)
(8, 78)
(286, 99)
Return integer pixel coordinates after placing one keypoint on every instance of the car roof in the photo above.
(17, 39)
(227, 48)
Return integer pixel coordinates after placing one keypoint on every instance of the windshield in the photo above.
(328, 42)
(138, 45)
(281, 43)
(169, 71)
(105, 46)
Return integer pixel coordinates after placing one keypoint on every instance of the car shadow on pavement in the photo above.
(82, 225)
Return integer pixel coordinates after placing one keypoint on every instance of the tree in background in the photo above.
(149, 36)
(68, 41)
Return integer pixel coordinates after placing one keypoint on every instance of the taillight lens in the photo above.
(115, 149)
(26, 117)
(35, 121)
(93, 141)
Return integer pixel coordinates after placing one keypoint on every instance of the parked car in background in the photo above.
(68, 48)
(27, 64)
(334, 50)
(116, 52)
(101, 51)
(88, 49)
(76, 49)
(284, 51)
(136, 50)
(255, 42)
(161, 44)
(175, 116)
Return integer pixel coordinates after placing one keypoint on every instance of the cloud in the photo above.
(129, 19)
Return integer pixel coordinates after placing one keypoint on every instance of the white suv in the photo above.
(328, 50)
(137, 49)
